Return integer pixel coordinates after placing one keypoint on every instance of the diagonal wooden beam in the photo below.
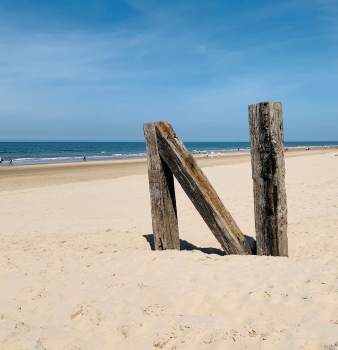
(162, 195)
(196, 185)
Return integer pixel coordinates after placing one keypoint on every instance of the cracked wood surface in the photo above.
(162, 195)
(268, 174)
(196, 185)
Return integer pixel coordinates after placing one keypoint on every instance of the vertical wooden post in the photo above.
(268, 174)
(162, 195)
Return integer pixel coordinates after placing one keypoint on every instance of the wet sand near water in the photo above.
(28, 176)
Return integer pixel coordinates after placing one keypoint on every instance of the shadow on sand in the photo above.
(185, 245)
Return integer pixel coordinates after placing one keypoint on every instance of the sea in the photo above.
(24, 153)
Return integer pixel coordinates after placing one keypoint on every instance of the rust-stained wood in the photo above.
(200, 191)
(162, 195)
(268, 174)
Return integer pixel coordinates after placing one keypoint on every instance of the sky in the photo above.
(96, 70)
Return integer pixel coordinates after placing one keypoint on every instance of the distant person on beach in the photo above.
(1, 160)
(10, 162)
(84, 158)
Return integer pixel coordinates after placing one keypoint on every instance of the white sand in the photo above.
(77, 271)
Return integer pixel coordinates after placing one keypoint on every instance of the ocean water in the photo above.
(61, 152)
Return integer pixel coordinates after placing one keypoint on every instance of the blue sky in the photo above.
(97, 70)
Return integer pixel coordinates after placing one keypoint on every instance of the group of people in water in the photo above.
(211, 155)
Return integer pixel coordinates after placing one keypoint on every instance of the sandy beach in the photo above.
(78, 270)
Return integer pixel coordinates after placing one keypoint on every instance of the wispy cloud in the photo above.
(74, 81)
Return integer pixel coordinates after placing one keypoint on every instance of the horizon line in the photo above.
(143, 141)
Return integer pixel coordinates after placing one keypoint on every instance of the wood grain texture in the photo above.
(268, 174)
(200, 191)
(162, 195)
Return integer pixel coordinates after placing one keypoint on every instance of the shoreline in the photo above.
(42, 175)
(226, 154)
(144, 158)
(133, 158)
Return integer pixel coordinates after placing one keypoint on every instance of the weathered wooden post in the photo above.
(162, 195)
(268, 174)
(196, 185)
